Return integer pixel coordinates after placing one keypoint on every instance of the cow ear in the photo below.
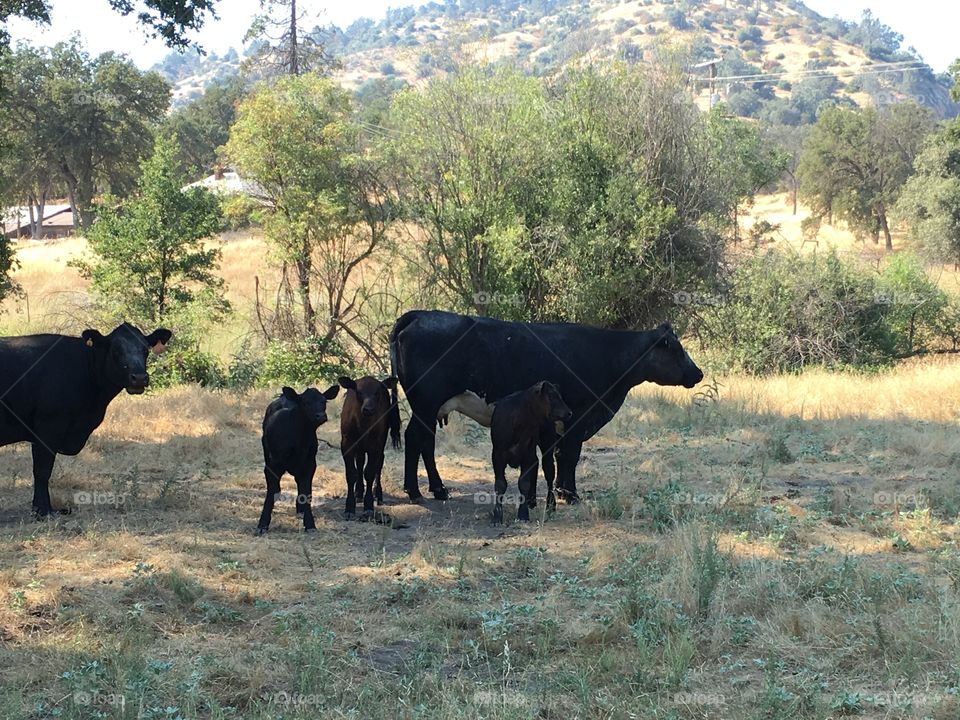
(390, 383)
(290, 394)
(541, 386)
(93, 338)
(347, 383)
(331, 392)
(159, 339)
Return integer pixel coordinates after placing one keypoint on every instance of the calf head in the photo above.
(552, 405)
(372, 394)
(125, 352)
(667, 363)
(311, 403)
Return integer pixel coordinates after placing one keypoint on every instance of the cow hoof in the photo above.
(440, 493)
(310, 531)
(523, 515)
(568, 497)
(532, 502)
(381, 518)
(349, 515)
(416, 499)
(39, 514)
(261, 531)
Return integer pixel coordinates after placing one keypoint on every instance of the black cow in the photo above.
(54, 391)
(290, 446)
(437, 355)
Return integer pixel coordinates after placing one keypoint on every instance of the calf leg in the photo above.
(350, 462)
(272, 476)
(374, 463)
(304, 480)
(528, 475)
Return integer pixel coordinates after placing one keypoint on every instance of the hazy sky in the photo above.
(928, 25)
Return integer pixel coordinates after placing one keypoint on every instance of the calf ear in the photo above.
(347, 383)
(93, 338)
(331, 392)
(390, 383)
(290, 394)
(541, 386)
(158, 339)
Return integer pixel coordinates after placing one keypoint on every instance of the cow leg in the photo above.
(304, 480)
(350, 463)
(499, 489)
(568, 456)
(528, 474)
(411, 459)
(43, 461)
(427, 450)
(272, 476)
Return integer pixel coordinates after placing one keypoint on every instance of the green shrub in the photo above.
(783, 312)
(186, 365)
(303, 362)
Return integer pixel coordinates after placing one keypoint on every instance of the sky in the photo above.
(928, 25)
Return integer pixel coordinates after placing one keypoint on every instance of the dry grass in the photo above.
(785, 551)
(783, 548)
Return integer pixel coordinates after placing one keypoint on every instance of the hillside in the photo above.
(778, 62)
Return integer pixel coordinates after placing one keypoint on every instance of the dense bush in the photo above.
(784, 311)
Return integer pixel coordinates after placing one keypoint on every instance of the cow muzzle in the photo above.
(137, 383)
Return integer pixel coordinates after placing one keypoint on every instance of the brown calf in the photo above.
(519, 420)
(369, 412)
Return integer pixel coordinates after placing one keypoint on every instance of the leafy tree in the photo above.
(171, 20)
(955, 72)
(788, 140)
(327, 211)
(87, 119)
(203, 125)
(468, 154)
(150, 261)
(856, 161)
(746, 163)
(930, 201)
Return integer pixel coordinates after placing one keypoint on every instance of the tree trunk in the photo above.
(886, 230)
(303, 286)
(294, 60)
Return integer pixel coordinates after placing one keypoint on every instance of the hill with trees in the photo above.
(778, 60)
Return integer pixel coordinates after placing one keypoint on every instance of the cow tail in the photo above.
(393, 419)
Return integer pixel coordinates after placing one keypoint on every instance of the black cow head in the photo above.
(555, 408)
(667, 363)
(125, 352)
(373, 394)
(312, 403)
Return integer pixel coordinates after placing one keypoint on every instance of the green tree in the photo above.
(88, 120)
(326, 211)
(203, 125)
(150, 258)
(955, 71)
(856, 161)
(171, 20)
(471, 156)
(930, 201)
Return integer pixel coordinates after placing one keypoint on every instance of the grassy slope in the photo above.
(786, 551)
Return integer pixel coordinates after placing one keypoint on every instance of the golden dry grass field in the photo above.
(774, 548)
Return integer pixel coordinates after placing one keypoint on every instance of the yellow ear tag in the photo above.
(89, 343)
